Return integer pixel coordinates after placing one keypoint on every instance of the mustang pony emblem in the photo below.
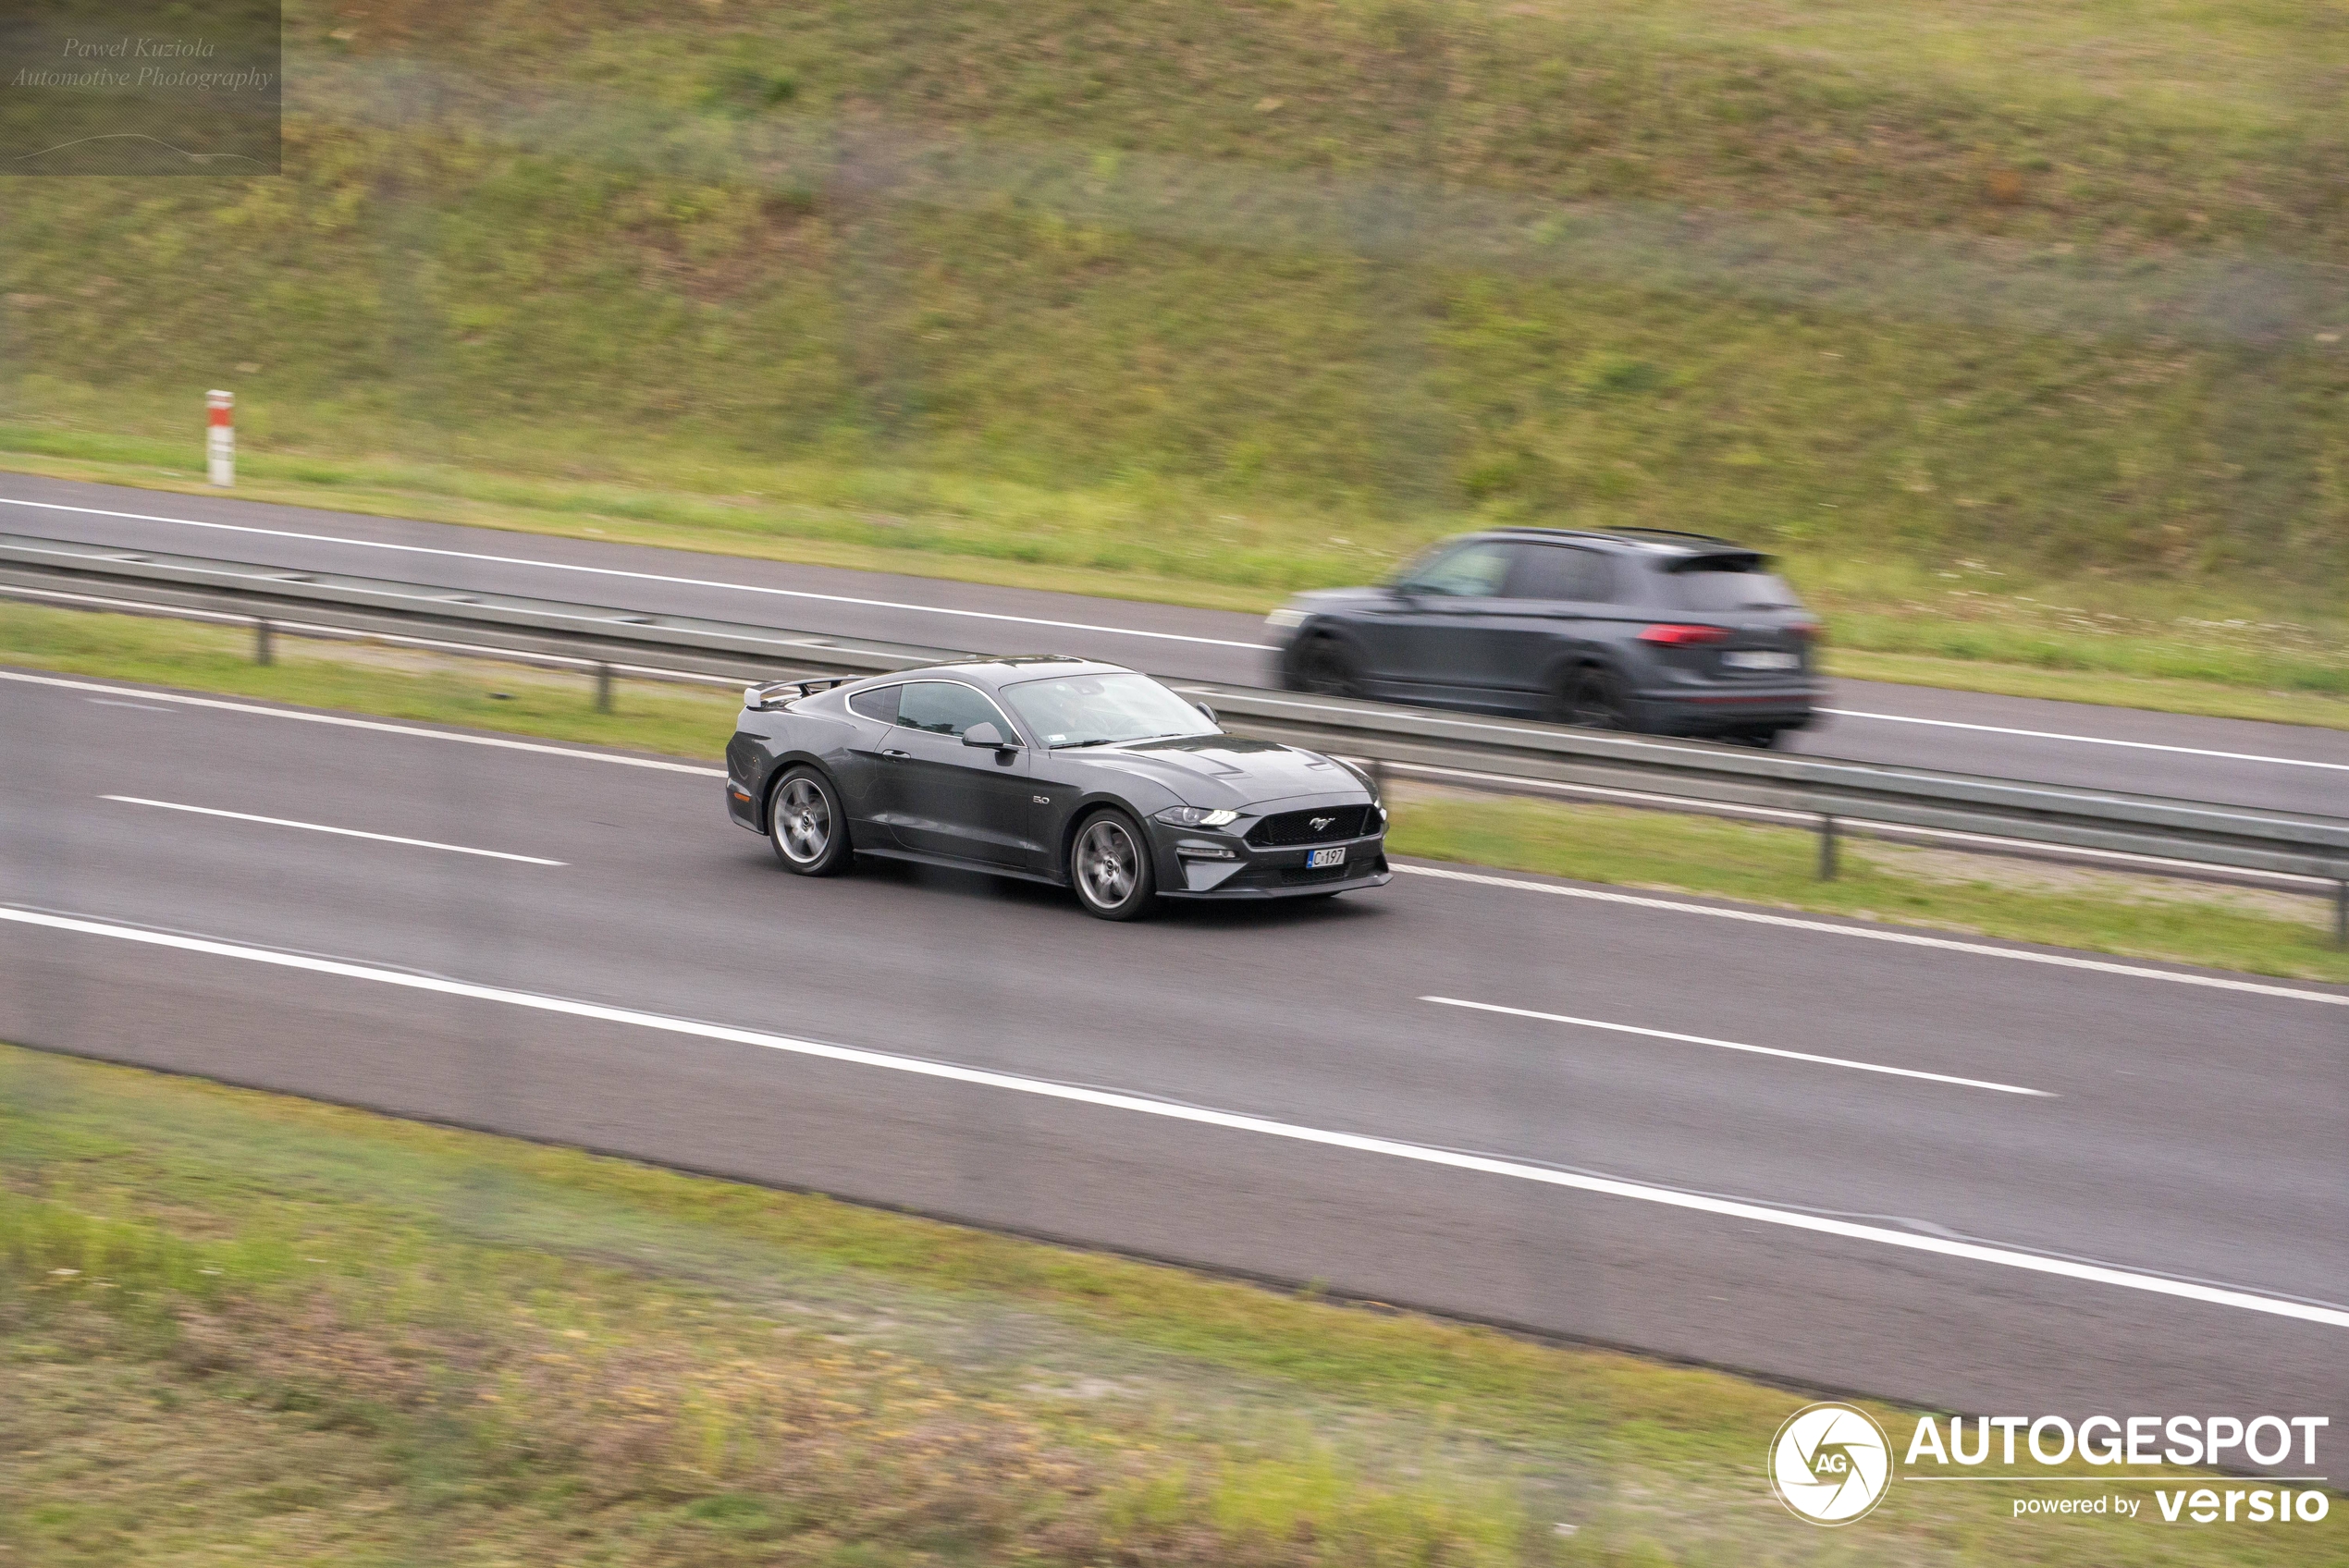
(1322, 822)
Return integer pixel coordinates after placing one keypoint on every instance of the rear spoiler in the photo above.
(1721, 560)
(774, 694)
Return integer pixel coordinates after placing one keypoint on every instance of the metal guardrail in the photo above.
(2298, 844)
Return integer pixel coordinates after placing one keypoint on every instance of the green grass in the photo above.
(2134, 916)
(2185, 921)
(236, 1326)
(1208, 301)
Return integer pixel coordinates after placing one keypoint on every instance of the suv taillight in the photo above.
(1684, 636)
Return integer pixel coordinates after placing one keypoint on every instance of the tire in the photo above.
(1109, 864)
(807, 826)
(1592, 701)
(1324, 667)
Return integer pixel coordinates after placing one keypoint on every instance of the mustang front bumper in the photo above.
(1244, 871)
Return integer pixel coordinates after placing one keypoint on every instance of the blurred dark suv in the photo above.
(1621, 629)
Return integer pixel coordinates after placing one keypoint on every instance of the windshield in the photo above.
(1734, 583)
(1094, 710)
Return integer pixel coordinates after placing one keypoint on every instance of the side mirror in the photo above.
(1205, 709)
(988, 738)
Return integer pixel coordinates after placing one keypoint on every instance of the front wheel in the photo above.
(1110, 864)
(805, 825)
(1324, 667)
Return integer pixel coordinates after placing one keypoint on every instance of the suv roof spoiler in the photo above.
(1709, 560)
(758, 699)
(1642, 531)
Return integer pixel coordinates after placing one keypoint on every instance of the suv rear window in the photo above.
(1560, 571)
(1729, 583)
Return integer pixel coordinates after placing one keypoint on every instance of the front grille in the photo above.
(1297, 826)
(1292, 875)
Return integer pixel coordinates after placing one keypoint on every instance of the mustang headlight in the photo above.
(1196, 816)
(1285, 617)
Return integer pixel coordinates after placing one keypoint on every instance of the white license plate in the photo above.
(1762, 661)
(1325, 857)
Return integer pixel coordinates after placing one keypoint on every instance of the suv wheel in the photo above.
(1593, 701)
(1323, 666)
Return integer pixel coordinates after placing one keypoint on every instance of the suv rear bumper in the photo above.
(1681, 711)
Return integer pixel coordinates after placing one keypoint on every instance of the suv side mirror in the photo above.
(988, 738)
(1208, 711)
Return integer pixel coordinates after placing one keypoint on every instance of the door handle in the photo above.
(893, 751)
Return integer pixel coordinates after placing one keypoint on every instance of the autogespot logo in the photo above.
(1830, 1463)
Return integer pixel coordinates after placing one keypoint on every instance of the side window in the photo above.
(1599, 578)
(881, 703)
(1730, 582)
(1473, 571)
(1561, 571)
(947, 708)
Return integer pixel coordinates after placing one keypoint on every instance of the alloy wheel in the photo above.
(1109, 863)
(802, 821)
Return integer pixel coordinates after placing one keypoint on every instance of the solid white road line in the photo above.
(322, 827)
(1754, 917)
(1880, 934)
(1467, 721)
(636, 576)
(1238, 1121)
(304, 716)
(2085, 740)
(1737, 1045)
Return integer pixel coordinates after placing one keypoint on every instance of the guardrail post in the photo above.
(262, 651)
(603, 688)
(2341, 913)
(1827, 846)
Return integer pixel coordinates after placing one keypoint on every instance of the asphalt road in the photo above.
(1262, 1090)
(2285, 767)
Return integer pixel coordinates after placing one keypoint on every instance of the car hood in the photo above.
(1328, 601)
(1229, 770)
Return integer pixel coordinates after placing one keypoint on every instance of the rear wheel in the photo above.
(805, 825)
(1324, 666)
(1592, 701)
(1110, 864)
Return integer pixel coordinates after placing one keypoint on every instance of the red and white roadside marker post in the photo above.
(220, 438)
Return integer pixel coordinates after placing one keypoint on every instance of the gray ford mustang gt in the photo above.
(1060, 770)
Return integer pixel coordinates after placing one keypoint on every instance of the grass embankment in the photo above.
(2144, 917)
(2021, 347)
(236, 1327)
